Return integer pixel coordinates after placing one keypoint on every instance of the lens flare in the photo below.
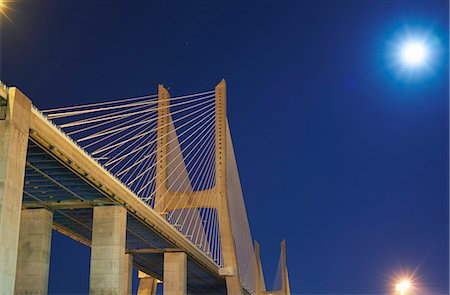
(4, 7)
(403, 286)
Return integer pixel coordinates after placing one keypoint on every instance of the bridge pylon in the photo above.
(282, 268)
(167, 200)
(162, 197)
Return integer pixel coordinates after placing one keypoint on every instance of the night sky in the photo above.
(341, 151)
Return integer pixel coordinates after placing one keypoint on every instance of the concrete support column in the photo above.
(147, 284)
(128, 273)
(175, 273)
(108, 260)
(33, 261)
(13, 149)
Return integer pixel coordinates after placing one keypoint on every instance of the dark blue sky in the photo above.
(338, 153)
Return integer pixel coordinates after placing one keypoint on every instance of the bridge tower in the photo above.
(164, 200)
(282, 268)
(100, 210)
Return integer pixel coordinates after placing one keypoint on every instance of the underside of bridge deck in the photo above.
(51, 184)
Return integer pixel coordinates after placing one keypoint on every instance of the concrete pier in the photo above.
(147, 284)
(175, 273)
(108, 259)
(128, 276)
(33, 261)
(13, 148)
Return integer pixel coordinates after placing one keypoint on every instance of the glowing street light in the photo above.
(402, 287)
(3, 7)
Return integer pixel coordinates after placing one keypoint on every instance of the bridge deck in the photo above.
(63, 178)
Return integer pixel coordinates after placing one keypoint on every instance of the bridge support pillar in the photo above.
(108, 259)
(128, 273)
(13, 148)
(147, 284)
(33, 261)
(175, 273)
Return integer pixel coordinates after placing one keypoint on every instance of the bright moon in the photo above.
(414, 53)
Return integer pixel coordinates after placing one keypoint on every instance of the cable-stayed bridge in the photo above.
(149, 182)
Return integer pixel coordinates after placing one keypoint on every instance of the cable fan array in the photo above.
(122, 135)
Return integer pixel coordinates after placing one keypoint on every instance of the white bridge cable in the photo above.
(108, 117)
(153, 141)
(124, 100)
(211, 199)
(140, 135)
(205, 119)
(202, 231)
(100, 103)
(152, 120)
(209, 121)
(137, 140)
(163, 126)
(109, 120)
(115, 129)
(141, 103)
(186, 216)
(123, 135)
(115, 115)
(187, 175)
(103, 109)
(102, 119)
(191, 214)
(239, 221)
(189, 209)
(112, 146)
(145, 154)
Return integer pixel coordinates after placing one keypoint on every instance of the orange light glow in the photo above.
(403, 286)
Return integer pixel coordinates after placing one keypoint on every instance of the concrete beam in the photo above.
(13, 150)
(175, 273)
(154, 251)
(33, 260)
(67, 204)
(108, 260)
(182, 200)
